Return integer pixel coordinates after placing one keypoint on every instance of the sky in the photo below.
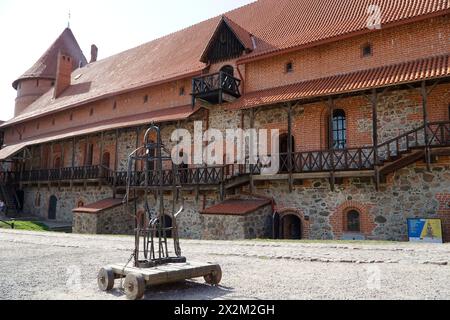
(29, 27)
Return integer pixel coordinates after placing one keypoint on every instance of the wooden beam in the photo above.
(374, 102)
(252, 126)
(424, 94)
(331, 140)
(290, 147)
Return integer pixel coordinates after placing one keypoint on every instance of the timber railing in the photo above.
(64, 174)
(212, 175)
(437, 134)
(220, 82)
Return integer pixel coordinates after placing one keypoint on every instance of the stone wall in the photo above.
(36, 201)
(409, 193)
(111, 221)
(256, 225)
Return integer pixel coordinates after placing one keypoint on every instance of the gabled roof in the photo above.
(397, 74)
(46, 66)
(275, 25)
(243, 36)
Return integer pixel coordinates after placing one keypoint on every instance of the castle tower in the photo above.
(41, 77)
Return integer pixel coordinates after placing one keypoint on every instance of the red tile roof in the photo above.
(99, 206)
(274, 24)
(45, 67)
(166, 115)
(237, 207)
(412, 71)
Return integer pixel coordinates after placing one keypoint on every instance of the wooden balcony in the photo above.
(216, 88)
(420, 143)
(64, 175)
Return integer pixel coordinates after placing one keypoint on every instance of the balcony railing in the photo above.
(216, 88)
(437, 134)
(213, 175)
(64, 174)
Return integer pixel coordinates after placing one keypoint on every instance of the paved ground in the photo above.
(60, 266)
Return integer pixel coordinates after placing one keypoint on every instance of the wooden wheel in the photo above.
(105, 279)
(134, 286)
(214, 277)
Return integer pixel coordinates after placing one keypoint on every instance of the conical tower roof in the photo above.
(45, 67)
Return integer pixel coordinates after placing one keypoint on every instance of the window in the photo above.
(182, 91)
(71, 117)
(91, 113)
(90, 155)
(57, 163)
(106, 159)
(53, 121)
(53, 83)
(37, 83)
(146, 98)
(367, 50)
(115, 105)
(80, 204)
(339, 130)
(37, 126)
(353, 221)
(289, 67)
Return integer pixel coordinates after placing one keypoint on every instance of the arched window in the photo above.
(228, 70)
(353, 221)
(339, 130)
(90, 155)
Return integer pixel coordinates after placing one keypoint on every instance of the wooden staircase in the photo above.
(412, 146)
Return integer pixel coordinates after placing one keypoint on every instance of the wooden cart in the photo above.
(138, 279)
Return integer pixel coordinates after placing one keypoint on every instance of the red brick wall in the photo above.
(389, 46)
(338, 219)
(444, 214)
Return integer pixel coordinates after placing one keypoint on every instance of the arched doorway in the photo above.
(20, 198)
(228, 70)
(106, 160)
(291, 227)
(284, 149)
(52, 203)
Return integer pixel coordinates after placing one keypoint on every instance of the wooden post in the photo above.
(290, 148)
(252, 126)
(331, 141)
(424, 95)
(116, 161)
(374, 102)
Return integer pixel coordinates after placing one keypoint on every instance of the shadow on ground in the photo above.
(181, 291)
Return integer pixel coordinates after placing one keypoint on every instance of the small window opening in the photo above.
(146, 98)
(115, 105)
(289, 67)
(367, 50)
(91, 112)
(182, 91)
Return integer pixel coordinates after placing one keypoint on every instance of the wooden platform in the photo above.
(168, 273)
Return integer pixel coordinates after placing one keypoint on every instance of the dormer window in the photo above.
(367, 50)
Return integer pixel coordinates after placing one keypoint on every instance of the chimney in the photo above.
(63, 74)
(94, 53)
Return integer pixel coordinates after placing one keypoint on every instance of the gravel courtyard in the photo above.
(64, 266)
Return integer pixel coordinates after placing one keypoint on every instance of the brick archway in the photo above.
(286, 213)
(339, 219)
